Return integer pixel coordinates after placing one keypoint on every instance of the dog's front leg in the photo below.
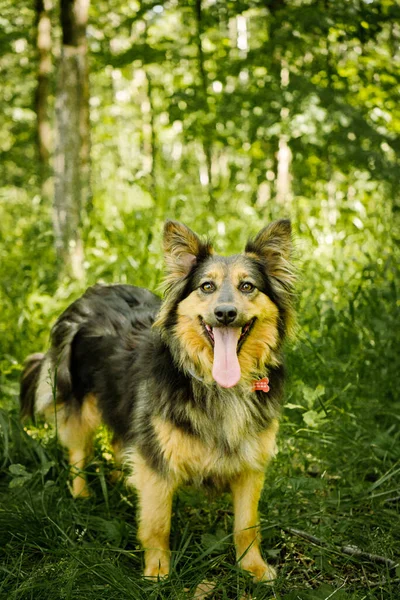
(246, 490)
(155, 494)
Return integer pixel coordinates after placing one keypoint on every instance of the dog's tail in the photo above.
(28, 385)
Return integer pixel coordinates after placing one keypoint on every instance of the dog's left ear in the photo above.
(273, 245)
(276, 238)
(182, 248)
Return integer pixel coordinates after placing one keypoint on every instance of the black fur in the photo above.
(104, 330)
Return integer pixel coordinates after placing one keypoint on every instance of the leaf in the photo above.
(310, 395)
(312, 418)
(19, 481)
(19, 470)
(214, 542)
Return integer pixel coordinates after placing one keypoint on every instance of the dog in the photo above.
(191, 386)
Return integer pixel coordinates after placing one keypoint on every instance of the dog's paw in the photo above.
(261, 571)
(156, 564)
(155, 573)
(79, 488)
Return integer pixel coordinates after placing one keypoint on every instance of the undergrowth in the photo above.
(336, 477)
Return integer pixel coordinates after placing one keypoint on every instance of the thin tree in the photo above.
(71, 164)
(44, 132)
(204, 100)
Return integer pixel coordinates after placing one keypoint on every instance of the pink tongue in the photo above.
(226, 368)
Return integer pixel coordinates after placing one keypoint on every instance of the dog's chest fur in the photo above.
(230, 432)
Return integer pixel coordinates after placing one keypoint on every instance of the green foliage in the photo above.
(176, 100)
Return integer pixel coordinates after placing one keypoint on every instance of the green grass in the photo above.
(335, 477)
(55, 547)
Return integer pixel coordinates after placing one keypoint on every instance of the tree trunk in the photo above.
(152, 138)
(206, 177)
(44, 133)
(283, 176)
(71, 163)
(284, 155)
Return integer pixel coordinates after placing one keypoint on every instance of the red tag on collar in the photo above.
(260, 384)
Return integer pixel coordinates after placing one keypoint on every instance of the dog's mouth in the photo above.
(226, 342)
(244, 332)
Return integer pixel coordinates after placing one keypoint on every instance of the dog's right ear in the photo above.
(183, 249)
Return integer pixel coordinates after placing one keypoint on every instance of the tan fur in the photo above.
(268, 440)
(75, 431)
(192, 338)
(188, 457)
(258, 348)
(181, 246)
(246, 491)
(216, 274)
(118, 452)
(238, 273)
(155, 505)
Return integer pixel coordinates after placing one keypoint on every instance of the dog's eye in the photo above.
(246, 287)
(208, 287)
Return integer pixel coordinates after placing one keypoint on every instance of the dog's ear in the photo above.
(274, 239)
(182, 248)
(273, 245)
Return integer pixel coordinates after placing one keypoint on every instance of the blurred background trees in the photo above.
(225, 115)
(222, 114)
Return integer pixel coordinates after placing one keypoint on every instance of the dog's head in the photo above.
(226, 317)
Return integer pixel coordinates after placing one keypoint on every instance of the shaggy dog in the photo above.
(190, 386)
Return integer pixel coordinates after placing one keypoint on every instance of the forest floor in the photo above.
(318, 499)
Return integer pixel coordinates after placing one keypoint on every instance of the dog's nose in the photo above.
(225, 313)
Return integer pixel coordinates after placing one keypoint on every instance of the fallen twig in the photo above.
(354, 551)
(349, 550)
(306, 536)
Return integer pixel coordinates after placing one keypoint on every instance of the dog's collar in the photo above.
(261, 385)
